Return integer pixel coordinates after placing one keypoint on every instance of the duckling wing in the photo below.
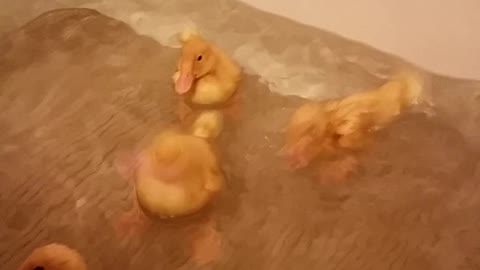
(350, 117)
(211, 90)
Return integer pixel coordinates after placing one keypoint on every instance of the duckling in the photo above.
(54, 257)
(205, 71)
(178, 174)
(341, 126)
(206, 77)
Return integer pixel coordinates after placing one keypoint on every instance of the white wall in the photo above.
(440, 35)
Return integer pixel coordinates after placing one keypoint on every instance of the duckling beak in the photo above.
(184, 82)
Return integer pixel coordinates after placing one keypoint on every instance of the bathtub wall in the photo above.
(440, 35)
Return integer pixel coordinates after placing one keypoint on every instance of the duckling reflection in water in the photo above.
(336, 129)
(176, 176)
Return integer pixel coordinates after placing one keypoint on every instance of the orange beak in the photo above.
(185, 80)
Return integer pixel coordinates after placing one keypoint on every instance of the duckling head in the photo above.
(196, 60)
(54, 257)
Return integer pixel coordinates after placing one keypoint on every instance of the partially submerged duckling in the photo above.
(54, 257)
(335, 128)
(178, 175)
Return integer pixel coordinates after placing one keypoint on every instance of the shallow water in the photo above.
(78, 88)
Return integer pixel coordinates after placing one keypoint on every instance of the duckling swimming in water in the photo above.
(205, 71)
(339, 127)
(178, 175)
(54, 257)
(206, 76)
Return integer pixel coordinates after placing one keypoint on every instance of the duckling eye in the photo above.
(199, 58)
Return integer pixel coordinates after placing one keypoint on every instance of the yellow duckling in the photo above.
(179, 176)
(179, 173)
(204, 72)
(338, 127)
(54, 257)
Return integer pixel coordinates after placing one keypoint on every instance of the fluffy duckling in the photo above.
(336, 127)
(54, 257)
(205, 72)
(178, 173)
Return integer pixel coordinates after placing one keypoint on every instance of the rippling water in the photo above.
(78, 88)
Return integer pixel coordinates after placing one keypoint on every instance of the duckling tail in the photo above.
(406, 89)
(208, 124)
(413, 87)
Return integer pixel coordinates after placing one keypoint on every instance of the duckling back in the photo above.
(208, 124)
(405, 89)
(189, 160)
(376, 108)
(168, 200)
